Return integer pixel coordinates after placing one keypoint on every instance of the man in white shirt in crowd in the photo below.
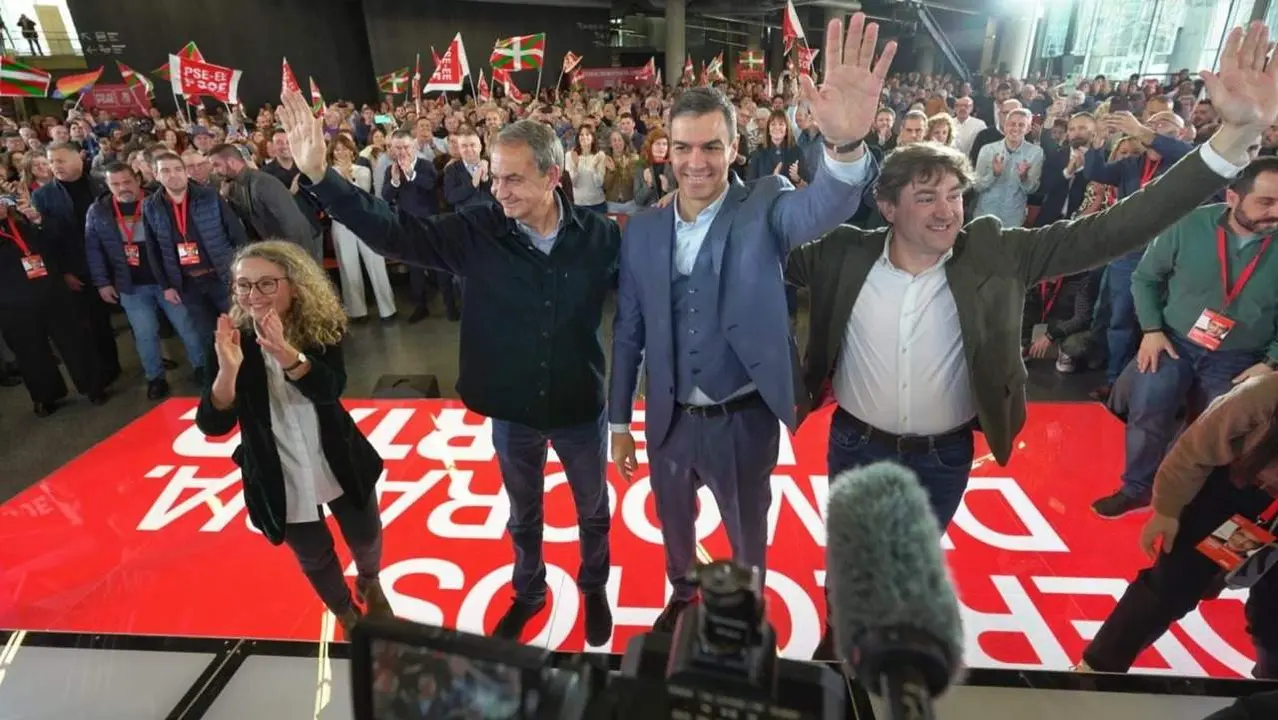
(969, 126)
(1008, 171)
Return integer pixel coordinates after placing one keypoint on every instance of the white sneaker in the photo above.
(1065, 364)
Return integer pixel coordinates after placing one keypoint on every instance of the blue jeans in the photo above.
(1199, 376)
(141, 307)
(943, 469)
(1123, 334)
(521, 453)
(205, 297)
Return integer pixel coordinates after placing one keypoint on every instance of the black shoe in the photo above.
(157, 389)
(418, 315)
(97, 399)
(361, 320)
(453, 314)
(511, 625)
(1118, 505)
(1101, 394)
(598, 618)
(668, 617)
(169, 364)
(45, 409)
(390, 318)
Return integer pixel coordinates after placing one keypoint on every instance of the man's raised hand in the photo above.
(305, 135)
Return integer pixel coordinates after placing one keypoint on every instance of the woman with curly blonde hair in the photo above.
(277, 373)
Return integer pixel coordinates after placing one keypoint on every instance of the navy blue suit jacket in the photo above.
(755, 229)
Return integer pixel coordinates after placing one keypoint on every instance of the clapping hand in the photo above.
(270, 336)
(1023, 168)
(998, 165)
(305, 135)
(226, 343)
(794, 171)
(847, 101)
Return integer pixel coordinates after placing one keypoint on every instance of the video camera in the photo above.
(721, 661)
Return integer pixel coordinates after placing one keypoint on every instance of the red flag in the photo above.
(577, 77)
(434, 56)
(484, 93)
(417, 77)
(450, 70)
(806, 57)
(571, 61)
(289, 83)
(649, 71)
(689, 71)
(503, 76)
(193, 78)
(791, 30)
(317, 100)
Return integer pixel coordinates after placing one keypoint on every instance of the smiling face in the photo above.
(259, 286)
(703, 150)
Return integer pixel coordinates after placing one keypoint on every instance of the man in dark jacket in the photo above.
(1063, 185)
(36, 306)
(63, 206)
(537, 274)
(196, 234)
(127, 271)
(269, 207)
(410, 186)
(467, 182)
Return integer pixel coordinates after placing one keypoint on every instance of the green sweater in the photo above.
(1179, 277)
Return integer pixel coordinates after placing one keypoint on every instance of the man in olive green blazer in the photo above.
(916, 328)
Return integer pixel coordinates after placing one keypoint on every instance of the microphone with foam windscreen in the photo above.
(892, 607)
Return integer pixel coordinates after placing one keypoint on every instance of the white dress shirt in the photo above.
(901, 366)
(689, 237)
(308, 480)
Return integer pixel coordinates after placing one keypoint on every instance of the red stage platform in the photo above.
(147, 534)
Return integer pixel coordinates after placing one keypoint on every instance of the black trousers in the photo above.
(419, 287)
(1164, 593)
(28, 330)
(101, 340)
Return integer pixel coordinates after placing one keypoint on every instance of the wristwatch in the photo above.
(301, 360)
(845, 148)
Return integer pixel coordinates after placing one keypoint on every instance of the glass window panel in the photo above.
(11, 10)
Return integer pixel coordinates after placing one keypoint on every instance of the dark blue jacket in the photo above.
(417, 198)
(104, 249)
(65, 231)
(459, 188)
(1125, 174)
(213, 221)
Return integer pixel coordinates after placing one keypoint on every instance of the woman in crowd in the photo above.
(350, 249)
(941, 128)
(36, 172)
(657, 177)
(278, 373)
(619, 181)
(1224, 465)
(779, 152)
(587, 165)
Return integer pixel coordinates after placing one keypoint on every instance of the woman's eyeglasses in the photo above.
(265, 286)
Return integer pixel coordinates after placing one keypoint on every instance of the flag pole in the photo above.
(537, 93)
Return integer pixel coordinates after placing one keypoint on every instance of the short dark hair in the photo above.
(922, 162)
(399, 134)
(167, 155)
(277, 131)
(703, 101)
(916, 115)
(1246, 181)
(226, 151)
(69, 145)
(115, 166)
(1083, 115)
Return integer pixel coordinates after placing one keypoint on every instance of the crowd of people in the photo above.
(946, 234)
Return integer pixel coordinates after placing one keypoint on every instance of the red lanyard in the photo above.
(1049, 300)
(127, 225)
(16, 237)
(179, 215)
(1147, 170)
(1222, 251)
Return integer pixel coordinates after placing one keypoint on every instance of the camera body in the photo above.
(721, 658)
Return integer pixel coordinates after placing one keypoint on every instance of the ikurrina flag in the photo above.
(19, 80)
(522, 52)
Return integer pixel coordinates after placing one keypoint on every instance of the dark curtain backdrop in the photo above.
(324, 39)
(402, 28)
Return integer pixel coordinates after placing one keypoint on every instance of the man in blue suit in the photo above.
(701, 301)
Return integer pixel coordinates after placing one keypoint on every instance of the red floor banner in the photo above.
(146, 533)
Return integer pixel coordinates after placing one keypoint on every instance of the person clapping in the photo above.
(278, 373)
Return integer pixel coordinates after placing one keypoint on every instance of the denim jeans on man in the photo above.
(142, 307)
(1123, 334)
(943, 469)
(1199, 376)
(521, 453)
(205, 297)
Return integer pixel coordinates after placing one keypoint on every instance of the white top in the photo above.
(901, 366)
(967, 131)
(587, 175)
(308, 480)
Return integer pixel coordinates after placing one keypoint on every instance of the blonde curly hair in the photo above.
(316, 317)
